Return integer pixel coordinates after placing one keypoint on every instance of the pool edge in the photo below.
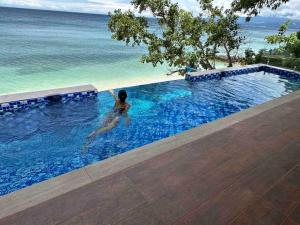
(23, 101)
(239, 70)
(38, 193)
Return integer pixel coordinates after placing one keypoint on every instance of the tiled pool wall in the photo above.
(218, 74)
(20, 105)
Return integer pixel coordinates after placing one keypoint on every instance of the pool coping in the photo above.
(41, 192)
(197, 73)
(201, 73)
(41, 94)
(238, 70)
(22, 101)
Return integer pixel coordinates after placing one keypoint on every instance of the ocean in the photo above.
(45, 49)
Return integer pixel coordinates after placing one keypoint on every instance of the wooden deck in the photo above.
(248, 173)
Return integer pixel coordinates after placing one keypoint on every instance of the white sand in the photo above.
(138, 81)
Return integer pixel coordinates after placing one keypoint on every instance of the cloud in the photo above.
(90, 6)
(28, 3)
(290, 10)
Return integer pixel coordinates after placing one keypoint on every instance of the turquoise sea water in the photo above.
(42, 50)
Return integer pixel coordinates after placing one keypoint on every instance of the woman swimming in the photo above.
(120, 109)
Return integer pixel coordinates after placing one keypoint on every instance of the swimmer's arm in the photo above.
(113, 94)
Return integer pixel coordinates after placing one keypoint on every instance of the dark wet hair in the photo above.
(122, 96)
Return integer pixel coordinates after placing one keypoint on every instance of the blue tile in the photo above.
(42, 102)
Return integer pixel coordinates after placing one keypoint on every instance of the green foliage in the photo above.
(269, 57)
(280, 37)
(295, 48)
(223, 29)
(249, 56)
(298, 35)
(260, 56)
(286, 55)
(279, 60)
(184, 40)
(287, 43)
(253, 7)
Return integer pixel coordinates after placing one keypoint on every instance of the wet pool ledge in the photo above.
(22, 101)
(219, 73)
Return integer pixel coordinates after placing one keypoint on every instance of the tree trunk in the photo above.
(230, 63)
(204, 61)
(210, 67)
(206, 64)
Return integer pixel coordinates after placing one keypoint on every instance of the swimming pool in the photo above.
(45, 142)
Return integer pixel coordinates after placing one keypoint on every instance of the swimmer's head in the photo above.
(122, 96)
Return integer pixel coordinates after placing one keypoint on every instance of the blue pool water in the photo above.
(43, 143)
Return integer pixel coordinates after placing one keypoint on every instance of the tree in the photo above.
(287, 43)
(249, 56)
(253, 7)
(185, 40)
(224, 29)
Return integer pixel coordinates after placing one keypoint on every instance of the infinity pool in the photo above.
(42, 143)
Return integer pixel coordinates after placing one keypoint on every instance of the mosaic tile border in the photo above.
(218, 74)
(21, 105)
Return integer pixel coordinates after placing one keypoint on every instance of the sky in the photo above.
(289, 10)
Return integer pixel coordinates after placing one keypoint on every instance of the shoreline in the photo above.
(140, 82)
(100, 87)
(101, 83)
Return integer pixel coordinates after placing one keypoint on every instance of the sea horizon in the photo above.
(45, 49)
(241, 18)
